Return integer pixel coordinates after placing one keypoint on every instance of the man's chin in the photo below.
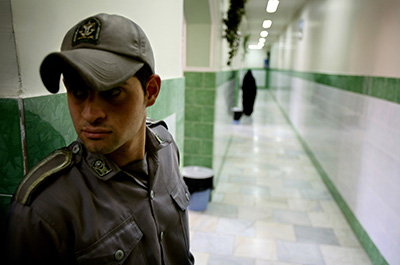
(97, 146)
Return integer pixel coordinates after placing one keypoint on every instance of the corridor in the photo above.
(269, 205)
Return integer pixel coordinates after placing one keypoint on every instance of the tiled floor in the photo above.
(269, 205)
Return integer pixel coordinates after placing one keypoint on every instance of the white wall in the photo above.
(41, 25)
(9, 76)
(255, 58)
(354, 137)
(343, 37)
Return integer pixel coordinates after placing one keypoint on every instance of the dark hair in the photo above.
(143, 74)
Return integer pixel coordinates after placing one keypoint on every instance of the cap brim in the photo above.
(100, 70)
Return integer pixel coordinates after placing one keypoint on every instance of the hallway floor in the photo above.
(269, 205)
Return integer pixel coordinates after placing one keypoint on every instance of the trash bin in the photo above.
(237, 113)
(200, 182)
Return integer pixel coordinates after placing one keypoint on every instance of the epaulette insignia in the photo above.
(159, 139)
(153, 123)
(53, 163)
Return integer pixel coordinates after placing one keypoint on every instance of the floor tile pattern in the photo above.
(269, 205)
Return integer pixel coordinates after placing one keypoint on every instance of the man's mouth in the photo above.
(95, 133)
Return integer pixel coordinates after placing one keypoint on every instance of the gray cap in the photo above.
(105, 50)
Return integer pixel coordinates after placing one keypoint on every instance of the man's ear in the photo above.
(153, 87)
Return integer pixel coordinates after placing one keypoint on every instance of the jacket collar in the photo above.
(104, 168)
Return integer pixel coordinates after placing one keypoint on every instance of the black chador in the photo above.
(249, 89)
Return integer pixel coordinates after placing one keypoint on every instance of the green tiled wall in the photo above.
(11, 155)
(48, 126)
(200, 88)
(171, 100)
(380, 87)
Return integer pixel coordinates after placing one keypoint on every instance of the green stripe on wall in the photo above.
(369, 246)
(379, 87)
(171, 100)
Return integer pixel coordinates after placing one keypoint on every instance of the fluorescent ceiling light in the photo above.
(272, 6)
(267, 23)
(255, 47)
(264, 33)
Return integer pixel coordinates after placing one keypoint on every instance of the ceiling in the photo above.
(256, 13)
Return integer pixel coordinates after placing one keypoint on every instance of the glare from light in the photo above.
(264, 33)
(272, 6)
(261, 40)
(267, 23)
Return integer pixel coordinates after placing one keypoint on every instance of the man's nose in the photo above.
(93, 110)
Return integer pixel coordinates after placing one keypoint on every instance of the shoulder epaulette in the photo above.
(153, 123)
(41, 173)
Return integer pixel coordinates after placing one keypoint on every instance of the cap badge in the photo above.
(101, 167)
(88, 31)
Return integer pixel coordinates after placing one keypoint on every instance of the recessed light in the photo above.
(267, 23)
(264, 33)
(272, 6)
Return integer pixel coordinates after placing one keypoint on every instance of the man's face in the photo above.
(108, 121)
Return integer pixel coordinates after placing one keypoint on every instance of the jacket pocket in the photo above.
(181, 195)
(114, 247)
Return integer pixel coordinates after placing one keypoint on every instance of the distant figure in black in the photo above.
(249, 89)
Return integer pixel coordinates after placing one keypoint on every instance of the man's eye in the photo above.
(79, 93)
(112, 93)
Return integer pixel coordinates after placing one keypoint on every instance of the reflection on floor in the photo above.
(269, 205)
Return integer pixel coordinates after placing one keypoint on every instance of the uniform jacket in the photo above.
(76, 207)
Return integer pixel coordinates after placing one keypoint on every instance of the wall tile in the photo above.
(208, 114)
(206, 147)
(192, 146)
(205, 97)
(392, 88)
(198, 160)
(193, 79)
(203, 131)
(190, 96)
(48, 126)
(209, 80)
(11, 157)
(193, 113)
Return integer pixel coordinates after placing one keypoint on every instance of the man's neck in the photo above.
(132, 151)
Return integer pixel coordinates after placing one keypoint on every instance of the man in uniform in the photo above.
(114, 196)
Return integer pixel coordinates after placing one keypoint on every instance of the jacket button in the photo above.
(75, 149)
(162, 234)
(119, 255)
(151, 194)
(187, 196)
